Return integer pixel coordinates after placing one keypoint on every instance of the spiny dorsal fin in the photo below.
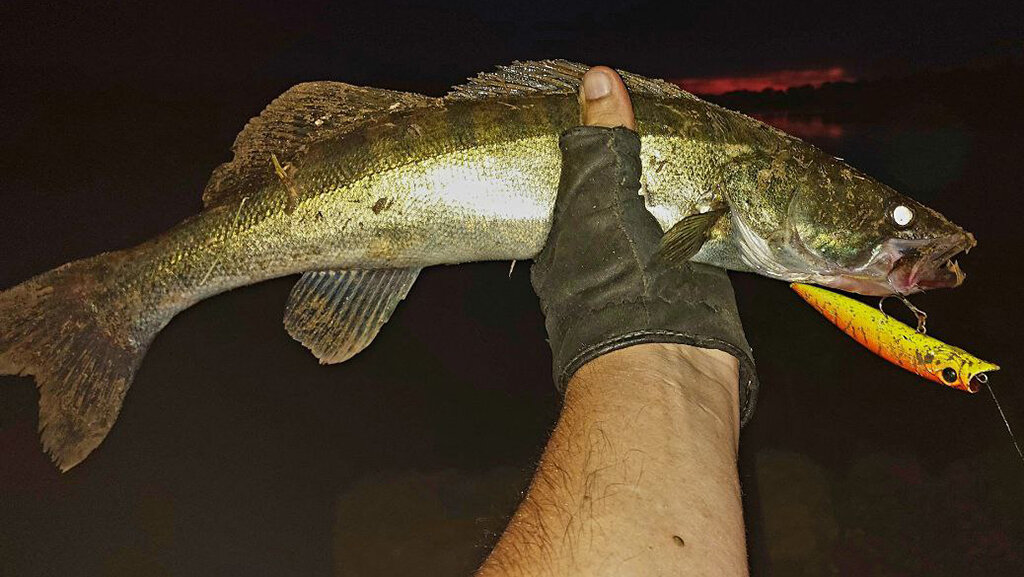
(685, 238)
(551, 77)
(305, 114)
(336, 314)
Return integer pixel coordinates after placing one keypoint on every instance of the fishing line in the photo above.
(1005, 422)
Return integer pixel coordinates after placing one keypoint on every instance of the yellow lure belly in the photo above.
(898, 343)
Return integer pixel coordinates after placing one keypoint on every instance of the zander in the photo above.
(359, 188)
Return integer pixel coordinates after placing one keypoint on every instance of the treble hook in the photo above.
(922, 317)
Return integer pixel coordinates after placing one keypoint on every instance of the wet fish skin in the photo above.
(419, 181)
(450, 183)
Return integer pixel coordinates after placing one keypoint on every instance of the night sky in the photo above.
(418, 43)
(237, 454)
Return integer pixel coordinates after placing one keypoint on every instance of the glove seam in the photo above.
(624, 338)
(621, 173)
(745, 377)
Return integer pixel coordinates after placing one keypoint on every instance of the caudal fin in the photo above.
(83, 343)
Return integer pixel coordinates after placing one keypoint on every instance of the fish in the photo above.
(357, 189)
(898, 343)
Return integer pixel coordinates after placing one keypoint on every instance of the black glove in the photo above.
(599, 280)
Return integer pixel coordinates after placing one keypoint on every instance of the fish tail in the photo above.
(83, 341)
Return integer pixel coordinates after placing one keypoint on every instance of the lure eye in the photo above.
(902, 215)
(949, 375)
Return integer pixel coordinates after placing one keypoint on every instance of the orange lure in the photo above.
(898, 343)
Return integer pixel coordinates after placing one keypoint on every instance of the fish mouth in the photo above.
(906, 266)
(930, 265)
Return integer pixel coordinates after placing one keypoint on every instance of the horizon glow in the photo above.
(776, 80)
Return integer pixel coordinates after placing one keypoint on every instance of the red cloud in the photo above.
(778, 80)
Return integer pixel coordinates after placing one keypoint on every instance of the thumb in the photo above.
(604, 100)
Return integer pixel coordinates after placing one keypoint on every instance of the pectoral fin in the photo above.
(336, 314)
(685, 238)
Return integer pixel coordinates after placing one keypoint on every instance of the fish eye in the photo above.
(949, 375)
(902, 215)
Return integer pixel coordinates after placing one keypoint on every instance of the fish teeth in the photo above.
(954, 267)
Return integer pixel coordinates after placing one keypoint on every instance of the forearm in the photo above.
(640, 476)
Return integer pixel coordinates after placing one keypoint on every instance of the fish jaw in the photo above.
(905, 267)
(931, 265)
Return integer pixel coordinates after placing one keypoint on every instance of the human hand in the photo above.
(601, 285)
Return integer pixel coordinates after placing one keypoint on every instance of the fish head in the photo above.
(862, 236)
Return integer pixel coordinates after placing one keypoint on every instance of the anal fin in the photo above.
(337, 313)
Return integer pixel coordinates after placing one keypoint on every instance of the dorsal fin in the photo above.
(551, 77)
(305, 114)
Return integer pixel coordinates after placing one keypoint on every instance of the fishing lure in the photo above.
(905, 347)
(898, 343)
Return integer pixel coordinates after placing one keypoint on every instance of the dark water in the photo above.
(862, 469)
(236, 454)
